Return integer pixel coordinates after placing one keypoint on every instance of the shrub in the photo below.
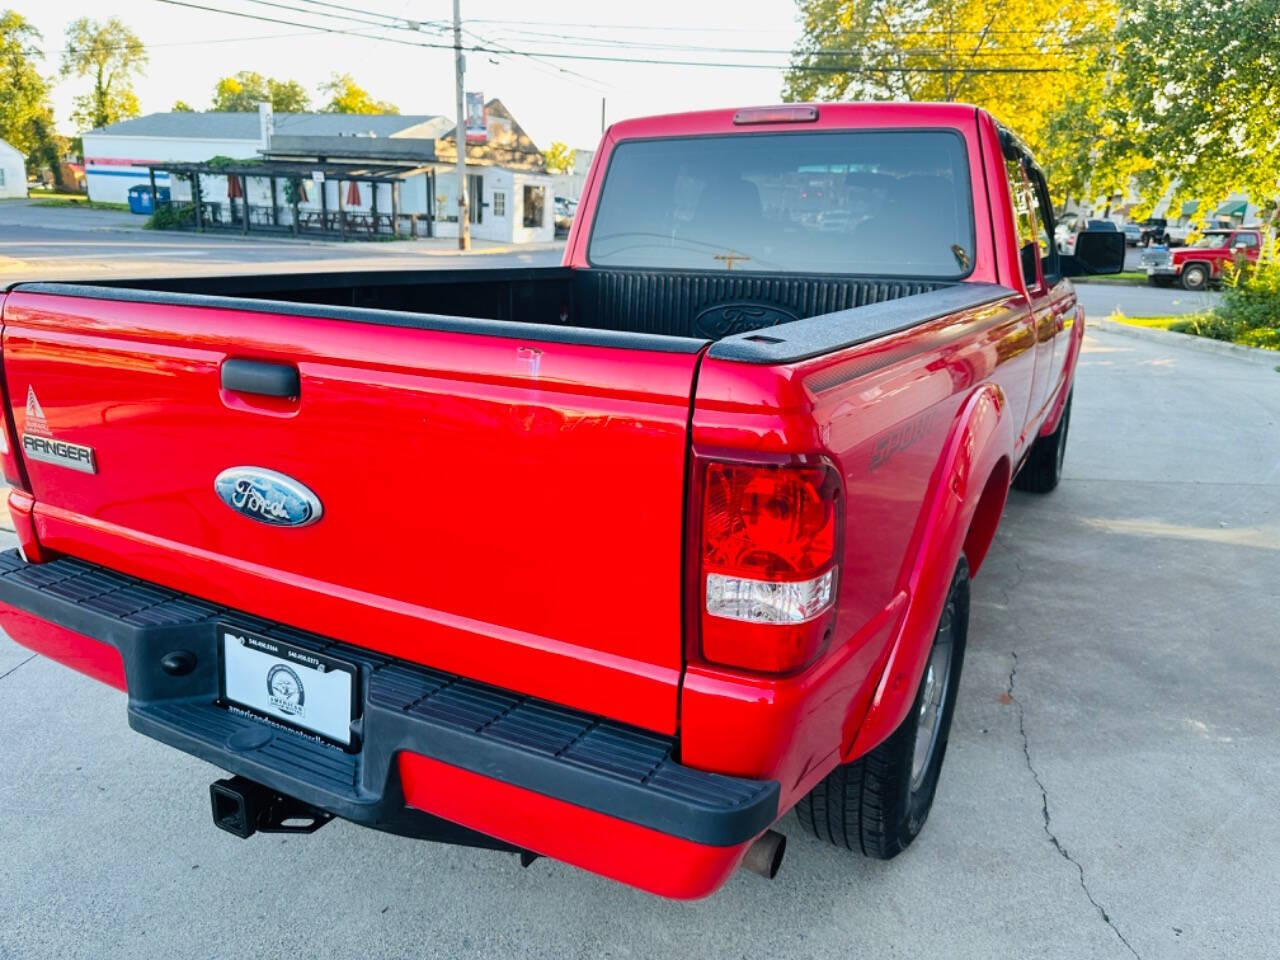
(1209, 325)
(1251, 301)
(172, 216)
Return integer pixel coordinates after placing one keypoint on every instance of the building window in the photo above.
(534, 201)
(499, 204)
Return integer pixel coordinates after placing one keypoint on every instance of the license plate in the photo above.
(287, 683)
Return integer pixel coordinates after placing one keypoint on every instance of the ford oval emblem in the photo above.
(268, 497)
(724, 319)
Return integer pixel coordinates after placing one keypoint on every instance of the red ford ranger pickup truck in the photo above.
(614, 562)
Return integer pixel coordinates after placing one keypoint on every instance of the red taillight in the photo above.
(768, 563)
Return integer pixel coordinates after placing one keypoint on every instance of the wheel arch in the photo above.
(986, 515)
(962, 510)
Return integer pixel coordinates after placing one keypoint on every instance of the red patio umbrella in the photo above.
(353, 194)
(233, 188)
(302, 191)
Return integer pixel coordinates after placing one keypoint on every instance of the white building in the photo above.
(510, 193)
(116, 157)
(13, 172)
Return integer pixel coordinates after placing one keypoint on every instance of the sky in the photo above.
(553, 99)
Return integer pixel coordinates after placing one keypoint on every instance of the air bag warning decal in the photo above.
(38, 442)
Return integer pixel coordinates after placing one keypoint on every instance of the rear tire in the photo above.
(1043, 469)
(877, 804)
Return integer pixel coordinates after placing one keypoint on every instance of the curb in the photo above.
(1170, 339)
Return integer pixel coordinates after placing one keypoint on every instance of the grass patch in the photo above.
(77, 200)
(1129, 278)
(1208, 325)
(1151, 323)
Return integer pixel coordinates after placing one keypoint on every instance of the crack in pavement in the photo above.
(22, 664)
(1044, 811)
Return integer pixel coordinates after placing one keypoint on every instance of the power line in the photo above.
(1063, 50)
(439, 25)
(407, 25)
(563, 39)
(645, 61)
(200, 43)
(717, 29)
(339, 31)
(556, 70)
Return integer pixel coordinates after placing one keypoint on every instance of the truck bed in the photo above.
(692, 305)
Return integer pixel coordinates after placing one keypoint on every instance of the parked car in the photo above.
(1132, 234)
(1153, 231)
(1067, 244)
(1201, 264)
(565, 210)
(615, 562)
(1178, 234)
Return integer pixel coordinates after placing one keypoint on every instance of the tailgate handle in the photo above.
(257, 376)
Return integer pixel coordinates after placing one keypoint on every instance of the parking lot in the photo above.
(1109, 791)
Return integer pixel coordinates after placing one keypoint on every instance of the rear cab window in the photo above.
(884, 203)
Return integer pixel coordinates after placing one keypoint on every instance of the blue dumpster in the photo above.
(140, 198)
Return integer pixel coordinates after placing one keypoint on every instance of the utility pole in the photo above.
(460, 132)
(602, 116)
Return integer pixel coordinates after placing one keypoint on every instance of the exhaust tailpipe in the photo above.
(764, 856)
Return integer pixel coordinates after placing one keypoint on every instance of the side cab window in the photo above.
(1246, 240)
(1024, 223)
(1050, 271)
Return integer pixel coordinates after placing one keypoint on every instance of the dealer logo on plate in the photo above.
(285, 691)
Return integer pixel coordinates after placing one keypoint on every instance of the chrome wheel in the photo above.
(937, 675)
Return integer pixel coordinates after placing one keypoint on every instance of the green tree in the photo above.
(181, 106)
(243, 92)
(1197, 98)
(1020, 59)
(111, 55)
(559, 157)
(346, 96)
(26, 117)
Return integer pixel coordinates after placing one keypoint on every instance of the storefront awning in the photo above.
(1232, 208)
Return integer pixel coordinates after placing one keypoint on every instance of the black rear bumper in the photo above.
(585, 760)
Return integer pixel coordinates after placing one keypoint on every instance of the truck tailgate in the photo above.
(503, 508)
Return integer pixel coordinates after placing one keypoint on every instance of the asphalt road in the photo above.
(54, 243)
(1101, 299)
(1104, 299)
(1109, 792)
(44, 243)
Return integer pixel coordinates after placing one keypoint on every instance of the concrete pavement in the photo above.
(1109, 791)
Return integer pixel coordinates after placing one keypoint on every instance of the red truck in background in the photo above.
(615, 562)
(1202, 263)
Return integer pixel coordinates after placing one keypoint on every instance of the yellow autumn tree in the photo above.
(1024, 60)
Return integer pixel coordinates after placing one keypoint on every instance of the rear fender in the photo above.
(977, 452)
